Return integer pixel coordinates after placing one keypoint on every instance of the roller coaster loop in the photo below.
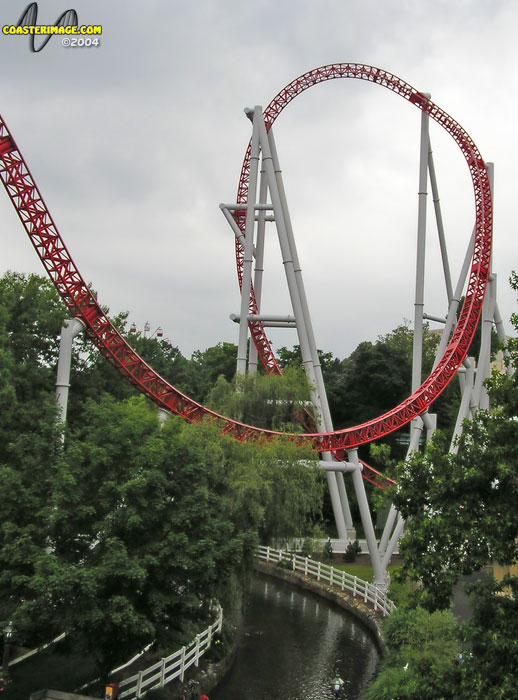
(82, 303)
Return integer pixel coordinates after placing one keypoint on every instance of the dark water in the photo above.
(294, 645)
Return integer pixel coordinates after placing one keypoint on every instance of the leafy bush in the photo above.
(285, 563)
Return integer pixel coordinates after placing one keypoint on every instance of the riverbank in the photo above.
(371, 619)
(209, 675)
(295, 643)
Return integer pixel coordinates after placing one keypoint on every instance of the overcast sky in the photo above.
(134, 144)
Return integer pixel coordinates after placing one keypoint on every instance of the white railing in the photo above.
(296, 544)
(170, 667)
(336, 577)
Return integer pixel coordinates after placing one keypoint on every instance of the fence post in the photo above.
(268, 553)
(139, 684)
(182, 665)
(197, 655)
(294, 562)
(355, 590)
(343, 580)
(318, 571)
(306, 567)
(162, 674)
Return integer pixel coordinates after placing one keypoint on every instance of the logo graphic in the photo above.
(67, 23)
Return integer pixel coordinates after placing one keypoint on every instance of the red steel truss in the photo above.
(82, 303)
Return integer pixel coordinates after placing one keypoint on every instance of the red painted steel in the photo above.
(83, 304)
(459, 343)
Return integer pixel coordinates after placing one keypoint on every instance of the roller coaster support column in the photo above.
(69, 331)
(440, 225)
(307, 341)
(313, 367)
(370, 535)
(259, 264)
(499, 325)
(465, 402)
(417, 352)
(248, 248)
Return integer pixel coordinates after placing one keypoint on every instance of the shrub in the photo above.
(328, 549)
(352, 550)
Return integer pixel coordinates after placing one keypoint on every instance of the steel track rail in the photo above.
(82, 303)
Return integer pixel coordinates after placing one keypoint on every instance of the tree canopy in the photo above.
(127, 532)
(461, 517)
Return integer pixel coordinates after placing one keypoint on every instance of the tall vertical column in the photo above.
(480, 396)
(70, 330)
(290, 261)
(249, 244)
(440, 224)
(370, 535)
(259, 264)
(420, 262)
(336, 480)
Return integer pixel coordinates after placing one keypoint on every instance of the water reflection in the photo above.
(293, 647)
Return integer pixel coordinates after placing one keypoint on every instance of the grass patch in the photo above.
(363, 571)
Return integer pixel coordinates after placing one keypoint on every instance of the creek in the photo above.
(294, 645)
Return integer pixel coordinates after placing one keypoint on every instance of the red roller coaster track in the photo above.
(82, 304)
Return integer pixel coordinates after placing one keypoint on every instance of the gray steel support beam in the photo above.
(398, 531)
(249, 245)
(465, 402)
(451, 319)
(417, 351)
(259, 265)
(370, 535)
(440, 225)
(311, 353)
(387, 530)
(232, 223)
(480, 396)
(69, 331)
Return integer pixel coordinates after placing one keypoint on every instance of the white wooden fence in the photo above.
(323, 572)
(170, 667)
(175, 665)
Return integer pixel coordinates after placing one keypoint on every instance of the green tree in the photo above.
(219, 360)
(275, 402)
(128, 533)
(136, 528)
(422, 648)
(490, 669)
(461, 515)
(460, 508)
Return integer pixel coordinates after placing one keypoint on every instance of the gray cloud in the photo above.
(136, 142)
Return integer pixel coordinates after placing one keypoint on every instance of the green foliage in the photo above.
(285, 563)
(158, 694)
(490, 670)
(377, 376)
(210, 364)
(328, 549)
(461, 508)
(220, 646)
(351, 551)
(312, 545)
(461, 513)
(422, 648)
(128, 535)
(271, 402)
